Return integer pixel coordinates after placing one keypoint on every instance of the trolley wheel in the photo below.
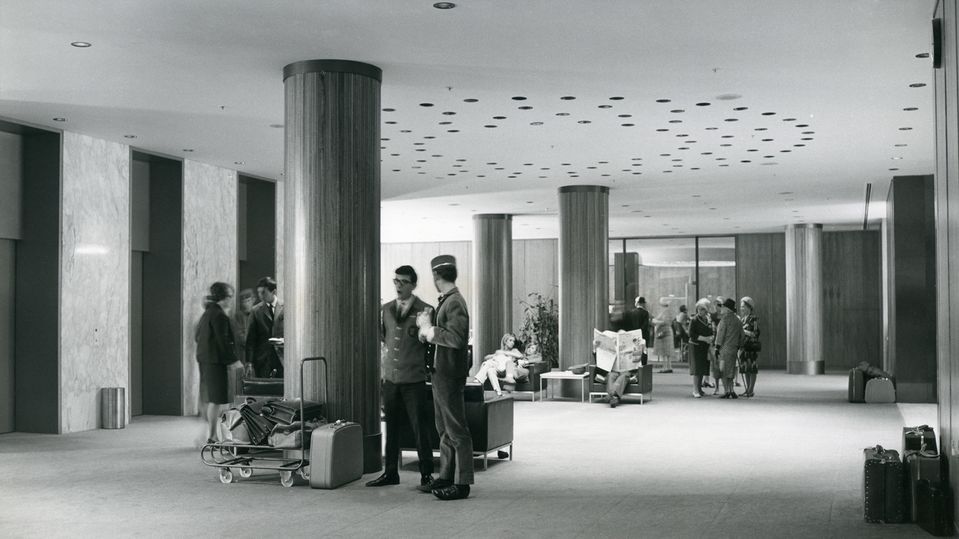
(226, 476)
(286, 478)
(305, 473)
(246, 472)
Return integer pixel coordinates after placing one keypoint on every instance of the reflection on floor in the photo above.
(787, 463)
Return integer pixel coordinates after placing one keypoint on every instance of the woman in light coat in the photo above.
(729, 339)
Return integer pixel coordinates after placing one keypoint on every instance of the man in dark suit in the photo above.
(266, 322)
(448, 330)
(642, 319)
(404, 379)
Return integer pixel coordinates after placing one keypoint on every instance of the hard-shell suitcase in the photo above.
(914, 438)
(336, 454)
(880, 391)
(935, 508)
(918, 466)
(263, 386)
(857, 385)
(882, 485)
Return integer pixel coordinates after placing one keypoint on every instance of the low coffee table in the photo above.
(562, 375)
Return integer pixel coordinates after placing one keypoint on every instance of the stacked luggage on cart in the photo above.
(269, 433)
(911, 489)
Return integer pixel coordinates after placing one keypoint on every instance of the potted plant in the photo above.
(541, 325)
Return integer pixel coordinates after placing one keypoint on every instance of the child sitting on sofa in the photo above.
(503, 362)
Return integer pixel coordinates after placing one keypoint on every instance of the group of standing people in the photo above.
(724, 343)
(224, 336)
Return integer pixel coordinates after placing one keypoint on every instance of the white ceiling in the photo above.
(207, 76)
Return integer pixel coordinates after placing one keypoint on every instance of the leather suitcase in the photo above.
(913, 439)
(857, 386)
(918, 466)
(880, 391)
(882, 485)
(336, 454)
(935, 508)
(263, 386)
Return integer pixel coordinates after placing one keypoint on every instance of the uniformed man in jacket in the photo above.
(448, 330)
(404, 379)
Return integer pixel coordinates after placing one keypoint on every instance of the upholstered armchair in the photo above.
(642, 388)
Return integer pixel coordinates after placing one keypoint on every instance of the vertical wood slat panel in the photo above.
(332, 242)
(851, 299)
(583, 269)
(761, 274)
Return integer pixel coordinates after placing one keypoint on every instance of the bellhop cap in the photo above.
(730, 304)
(443, 260)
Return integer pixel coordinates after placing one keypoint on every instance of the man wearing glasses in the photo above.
(404, 379)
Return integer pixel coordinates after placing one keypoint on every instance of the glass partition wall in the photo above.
(669, 273)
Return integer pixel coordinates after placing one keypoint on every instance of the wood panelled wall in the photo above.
(852, 295)
(761, 275)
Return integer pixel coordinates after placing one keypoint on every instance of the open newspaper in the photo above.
(619, 351)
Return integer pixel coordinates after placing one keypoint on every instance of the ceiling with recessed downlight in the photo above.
(702, 117)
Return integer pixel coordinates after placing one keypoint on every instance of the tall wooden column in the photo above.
(492, 282)
(332, 239)
(583, 269)
(804, 351)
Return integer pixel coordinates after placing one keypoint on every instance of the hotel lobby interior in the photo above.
(568, 153)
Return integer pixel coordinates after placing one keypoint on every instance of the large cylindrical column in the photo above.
(492, 282)
(583, 269)
(331, 241)
(804, 299)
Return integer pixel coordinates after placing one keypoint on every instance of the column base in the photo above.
(372, 453)
(806, 367)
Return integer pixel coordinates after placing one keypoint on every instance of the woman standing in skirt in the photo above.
(215, 351)
(700, 339)
(747, 358)
(729, 339)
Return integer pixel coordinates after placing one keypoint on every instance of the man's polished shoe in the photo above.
(452, 492)
(384, 480)
(435, 484)
(426, 483)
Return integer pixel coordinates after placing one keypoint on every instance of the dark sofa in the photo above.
(642, 388)
(531, 385)
(490, 423)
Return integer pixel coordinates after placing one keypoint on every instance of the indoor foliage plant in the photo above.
(541, 324)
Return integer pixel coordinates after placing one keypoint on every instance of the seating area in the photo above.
(490, 422)
(529, 385)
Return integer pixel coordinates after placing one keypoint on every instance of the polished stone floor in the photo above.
(787, 463)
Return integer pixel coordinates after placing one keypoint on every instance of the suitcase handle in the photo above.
(326, 380)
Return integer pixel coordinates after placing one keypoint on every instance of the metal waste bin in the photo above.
(113, 408)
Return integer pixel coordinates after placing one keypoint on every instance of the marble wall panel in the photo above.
(94, 277)
(209, 254)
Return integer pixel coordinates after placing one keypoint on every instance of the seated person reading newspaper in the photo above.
(618, 356)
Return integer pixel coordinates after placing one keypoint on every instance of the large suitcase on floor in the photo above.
(880, 391)
(914, 438)
(935, 508)
(882, 485)
(918, 466)
(336, 454)
(857, 385)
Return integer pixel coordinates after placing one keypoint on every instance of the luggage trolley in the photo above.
(228, 456)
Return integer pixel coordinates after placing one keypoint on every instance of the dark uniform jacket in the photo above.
(451, 326)
(262, 326)
(405, 359)
(214, 337)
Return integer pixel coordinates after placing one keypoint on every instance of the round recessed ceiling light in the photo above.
(677, 111)
(703, 104)
(905, 129)
(917, 85)
(238, 162)
(518, 98)
(900, 145)
(910, 109)
(187, 150)
(604, 107)
(525, 107)
(741, 108)
(894, 169)
(391, 123)
(662, 129)
(624, 115)
(627, 125)
(616, 98)
(389, 110)
(59, 119)
(489, 126)
(663, 100)
(444, 5)
(568, 98)
(426, 104)
(536, 123)
(584, 122)
(675, 121)
(81, 44)
(280, 126)
(731, 120)
(728, 97)
(129, 136)
(448, 113)
(499, 117)
(470, 100)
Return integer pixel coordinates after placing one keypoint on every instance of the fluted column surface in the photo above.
(804, 298)
(492, 282)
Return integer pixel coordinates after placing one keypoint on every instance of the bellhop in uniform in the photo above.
(448, 330)
(404, 379)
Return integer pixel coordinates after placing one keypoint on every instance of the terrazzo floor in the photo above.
(787, 463)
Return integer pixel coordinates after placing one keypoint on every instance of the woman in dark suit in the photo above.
(700, 339)
(215, 351)
(747, 357)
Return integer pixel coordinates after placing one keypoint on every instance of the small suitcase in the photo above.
(336, 454)
(918, 438)
(918, 466)
(935, 508)
(882, 485)
(263, 386)
(880, 391)
(857, 385)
